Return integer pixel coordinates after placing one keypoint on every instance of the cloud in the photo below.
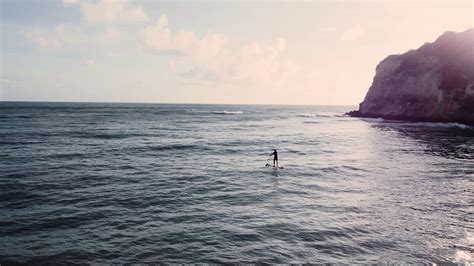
(254, 62)
(258, 61)
(353, 33)
(69, 2)
(158, 36)
(112, 11)
(55, 38)
(210, 58)
(90, 62)
(215, 58)
(109, 11)
(112, 33)
(76, 36)
(161, 39)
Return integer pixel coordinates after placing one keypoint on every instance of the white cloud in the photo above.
(184, 40)
(353, 33)
(255, 62)
(260, 62)
(214, 58)
(112, 33)
(162, 22)
(77, 37)
(90, 62)
(54, 38)
(210, 46)
(113, 11)
(160, 38)
(69, 2)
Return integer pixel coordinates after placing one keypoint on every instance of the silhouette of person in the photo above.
(275, 157)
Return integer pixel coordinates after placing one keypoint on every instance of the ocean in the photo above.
(183, 183)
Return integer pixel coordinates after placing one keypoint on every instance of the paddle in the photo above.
(268, 164)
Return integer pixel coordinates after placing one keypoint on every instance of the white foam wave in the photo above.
(321, 114)
(306, 115)
(426, 124)
(225, 112)
(219, 112)
(445, 125)
(329, 114)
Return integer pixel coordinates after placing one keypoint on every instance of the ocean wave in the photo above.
(25, 142)
(13, 116)
(306, 115)
(321, 114)
(445, 125)
(176, 147)
(425, 124)
(102, 135)
(225, 112)
(205, 187)
(173, 147)
(368, 119)
(218, 112)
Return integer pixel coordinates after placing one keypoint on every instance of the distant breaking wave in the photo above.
(423, 124)
(321, 114)
(444, 125)
(306, 115)
(218, 112)
(228, 112)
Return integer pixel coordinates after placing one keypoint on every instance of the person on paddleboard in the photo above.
(275, 157)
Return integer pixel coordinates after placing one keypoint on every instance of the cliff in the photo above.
(433, 83)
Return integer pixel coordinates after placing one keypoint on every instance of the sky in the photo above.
(240, 52)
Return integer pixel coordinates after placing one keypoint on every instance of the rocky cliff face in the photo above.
(433, 83)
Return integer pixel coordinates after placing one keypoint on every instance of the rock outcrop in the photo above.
(433, 83)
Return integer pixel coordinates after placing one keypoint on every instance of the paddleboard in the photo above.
(280, 167)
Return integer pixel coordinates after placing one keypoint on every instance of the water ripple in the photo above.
(127, 183)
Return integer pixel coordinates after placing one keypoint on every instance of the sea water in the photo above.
(179, 183)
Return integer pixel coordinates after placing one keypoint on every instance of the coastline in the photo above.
(358, 114)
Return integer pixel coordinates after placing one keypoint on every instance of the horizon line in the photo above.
(170, 103)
